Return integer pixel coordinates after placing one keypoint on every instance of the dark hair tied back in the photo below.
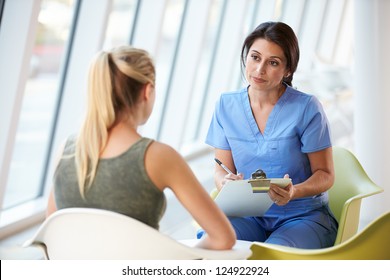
(280, 34)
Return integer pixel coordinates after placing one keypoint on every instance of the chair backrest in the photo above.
(372, 243)
(351, 185)
(84, 233)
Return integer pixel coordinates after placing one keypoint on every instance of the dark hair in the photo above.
(280, 34)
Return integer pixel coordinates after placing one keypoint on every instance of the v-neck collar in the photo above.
(272, 118)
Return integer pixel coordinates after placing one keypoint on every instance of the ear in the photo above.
(147, 91)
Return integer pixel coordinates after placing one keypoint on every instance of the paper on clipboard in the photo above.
(237, 199)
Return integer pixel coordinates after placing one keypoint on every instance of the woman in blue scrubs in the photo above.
(269, 125)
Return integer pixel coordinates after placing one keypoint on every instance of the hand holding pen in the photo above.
(230, 175)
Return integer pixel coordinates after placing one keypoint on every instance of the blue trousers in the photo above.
(287, 226)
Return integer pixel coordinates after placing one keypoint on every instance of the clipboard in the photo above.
(239, 199)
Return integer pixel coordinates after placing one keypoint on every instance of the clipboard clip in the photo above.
(260, 185)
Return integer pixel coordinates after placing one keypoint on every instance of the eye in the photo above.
(274, 63)
(255, 57)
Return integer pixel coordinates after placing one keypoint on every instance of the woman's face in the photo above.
(265, 65)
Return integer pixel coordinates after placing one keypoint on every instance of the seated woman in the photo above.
(272, 126)
(109, 165)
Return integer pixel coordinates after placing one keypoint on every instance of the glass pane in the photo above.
(164, 59)
(39, 102)
(120, 23)
(202, 76)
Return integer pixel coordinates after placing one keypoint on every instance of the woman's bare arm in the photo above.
(167, 168)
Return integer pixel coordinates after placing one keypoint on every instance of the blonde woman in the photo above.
(109, 165)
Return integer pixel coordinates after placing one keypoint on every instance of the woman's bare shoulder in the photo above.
(163, 163)
(160, 150)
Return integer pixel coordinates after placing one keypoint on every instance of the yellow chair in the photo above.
(372, 243)
(351, 185)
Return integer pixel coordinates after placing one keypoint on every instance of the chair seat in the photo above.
(93, 234)
(372, 243)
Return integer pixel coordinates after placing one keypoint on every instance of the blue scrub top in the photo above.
(296, 126)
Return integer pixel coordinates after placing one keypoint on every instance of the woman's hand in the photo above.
(281, 196)
(232, 177)
(221, 177)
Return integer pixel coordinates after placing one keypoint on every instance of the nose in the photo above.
(260, 67)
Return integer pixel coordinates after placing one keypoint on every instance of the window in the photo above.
(39, 103)
(120, 23)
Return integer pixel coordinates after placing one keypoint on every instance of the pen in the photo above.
(223, 166)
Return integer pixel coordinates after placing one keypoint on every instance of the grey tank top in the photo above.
(121, 184)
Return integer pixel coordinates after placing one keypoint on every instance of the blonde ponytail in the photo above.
(114, 84)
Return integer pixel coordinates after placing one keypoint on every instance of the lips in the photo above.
(258, 80)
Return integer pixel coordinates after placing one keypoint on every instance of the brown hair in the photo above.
(280, 34)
